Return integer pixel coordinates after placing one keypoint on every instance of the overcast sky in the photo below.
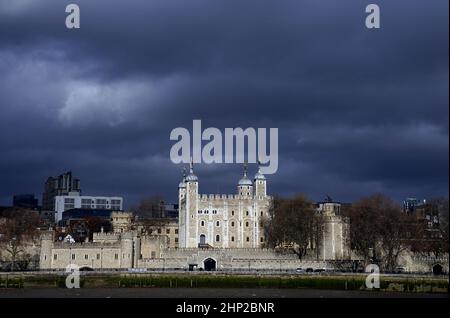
(359, 111)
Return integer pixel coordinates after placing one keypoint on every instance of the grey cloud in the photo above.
(358, 111)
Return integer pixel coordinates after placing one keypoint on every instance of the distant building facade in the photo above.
(412, 205)
(27, 201)
(69, 202)
(62, 185)
(171, 210)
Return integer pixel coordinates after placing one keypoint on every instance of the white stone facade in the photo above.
(223, 220)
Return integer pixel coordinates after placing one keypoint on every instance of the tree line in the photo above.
(380, 229)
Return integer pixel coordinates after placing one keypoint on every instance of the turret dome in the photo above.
(245, 181)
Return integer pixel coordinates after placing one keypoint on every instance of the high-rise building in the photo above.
(62, 185)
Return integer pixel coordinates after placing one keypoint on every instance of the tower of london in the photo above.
(223, 220)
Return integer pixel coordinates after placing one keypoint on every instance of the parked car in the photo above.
(310, 270)
(319, 270)
(400, 270)
(299, 270)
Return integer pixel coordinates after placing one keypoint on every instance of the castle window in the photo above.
(176, 231)
(246, 213)
(98, 256)
(248, 239)
(217, 223)
(232, 239)
(153, 254)
(116, 256)
(73, 256)
(232, 223)
(232, 213)
(86, 256)
(202, 223)
(159, 231)
(199, 211)
(176, 240)
(262, 213)
(246, 224)
(55, 257)
(167, 231)
(261, 239)
(217, 238)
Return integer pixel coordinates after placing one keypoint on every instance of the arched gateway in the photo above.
(209, 264)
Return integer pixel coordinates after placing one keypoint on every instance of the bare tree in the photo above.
(150, 208)
(150, 214)
(19, 227)
(293, 224)
(379, 230)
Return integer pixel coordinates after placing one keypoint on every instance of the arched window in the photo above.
(217, 223)
(232, 213)
(246, 213)
(217, 238)
(202, 223)
(232, 223)
(246, 224)
(262, 213)
(248, 239)
(232, 239)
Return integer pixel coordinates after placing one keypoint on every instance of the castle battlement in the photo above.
(106, 234)
(121, 214)
(88, 245)
(218, 197)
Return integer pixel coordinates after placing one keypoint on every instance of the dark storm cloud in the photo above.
(359, 111)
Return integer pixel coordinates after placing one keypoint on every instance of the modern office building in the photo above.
(69, 202)
(171, 210)
(63, 185)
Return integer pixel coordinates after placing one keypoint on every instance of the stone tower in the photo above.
(188, 217)
(45, 261)
(260, 185)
